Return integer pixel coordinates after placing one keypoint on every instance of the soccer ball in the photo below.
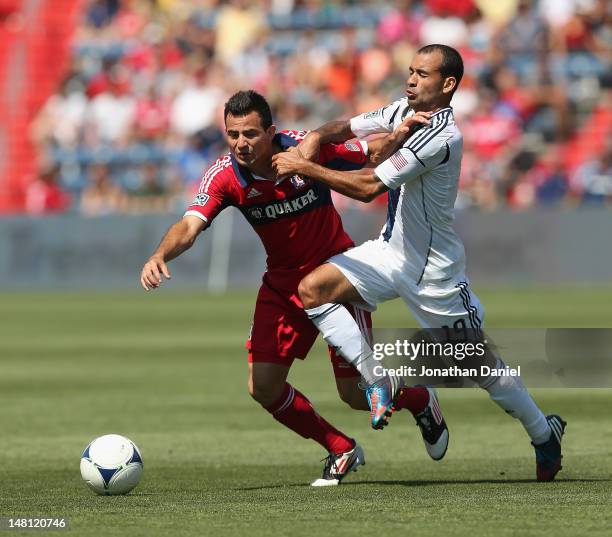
(111, 465)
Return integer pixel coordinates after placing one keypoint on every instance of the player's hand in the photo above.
(409, 125)
(288, 163)
(151, 275)
(309, 147)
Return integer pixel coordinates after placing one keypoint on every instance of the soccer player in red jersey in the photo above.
(300, 229)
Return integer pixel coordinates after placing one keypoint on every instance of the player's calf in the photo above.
(350, 393)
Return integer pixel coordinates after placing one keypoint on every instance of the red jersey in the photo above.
(295, 218)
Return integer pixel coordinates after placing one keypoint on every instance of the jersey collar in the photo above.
(284, 141)
(244, 175)
(443, 110)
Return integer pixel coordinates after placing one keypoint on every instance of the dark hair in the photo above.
(452, 63)
(245, 102)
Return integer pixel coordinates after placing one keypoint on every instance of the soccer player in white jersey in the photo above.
(418, 255)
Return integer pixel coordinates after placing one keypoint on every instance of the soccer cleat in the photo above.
(548, 454)
(338, 466)
(381, 397)
(433, 427)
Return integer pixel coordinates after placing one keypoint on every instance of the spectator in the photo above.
(196, 106)
(445, 28)
(100, 13)
(594, 178)
(111, 112)
(61, 120)
(102, 195)
(239, 25)
(549, 178)
(199, 151)
(151, 196)
(151, 115)
(498, 13)
(400, 22)
(44, 195)
(490, 131)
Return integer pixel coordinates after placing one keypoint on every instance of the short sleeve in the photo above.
(347, 156)
(409, 163)
(213, 196)
(377, 121)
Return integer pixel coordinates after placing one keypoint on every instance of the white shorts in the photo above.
(378, 276)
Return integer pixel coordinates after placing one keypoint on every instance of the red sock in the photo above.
(414, 398)
(293, 410)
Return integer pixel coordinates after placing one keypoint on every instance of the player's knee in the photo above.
(259, 393)
(256, 391)
(264, 393)
(310, 292)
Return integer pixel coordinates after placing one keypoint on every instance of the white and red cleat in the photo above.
(338, 466)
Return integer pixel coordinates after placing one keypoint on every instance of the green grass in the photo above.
(168, 370)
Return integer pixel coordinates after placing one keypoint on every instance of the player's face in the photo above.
(249, 142)
(426, 89)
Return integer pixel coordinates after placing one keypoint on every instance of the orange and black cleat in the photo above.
(381, 397)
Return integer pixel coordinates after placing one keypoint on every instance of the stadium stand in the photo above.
(133, 110)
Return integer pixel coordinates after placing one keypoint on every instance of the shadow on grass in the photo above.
(423, 483)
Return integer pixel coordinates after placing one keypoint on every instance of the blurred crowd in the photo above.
(138, 117)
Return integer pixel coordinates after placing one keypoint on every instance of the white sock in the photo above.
(511, 394)
(340, 330)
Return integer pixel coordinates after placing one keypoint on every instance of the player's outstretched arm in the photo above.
(362, 185)
(382, 148)
(333, 131)
(177, 239)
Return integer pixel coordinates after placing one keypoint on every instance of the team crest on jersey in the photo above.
(200, 199)
(352, 147)
(297, 181)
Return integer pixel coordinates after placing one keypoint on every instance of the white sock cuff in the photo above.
(317, 311)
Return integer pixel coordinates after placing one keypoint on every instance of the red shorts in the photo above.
(281, 331)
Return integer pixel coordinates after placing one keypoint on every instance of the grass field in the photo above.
(168, 370)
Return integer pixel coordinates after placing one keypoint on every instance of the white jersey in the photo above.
(423, 178)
